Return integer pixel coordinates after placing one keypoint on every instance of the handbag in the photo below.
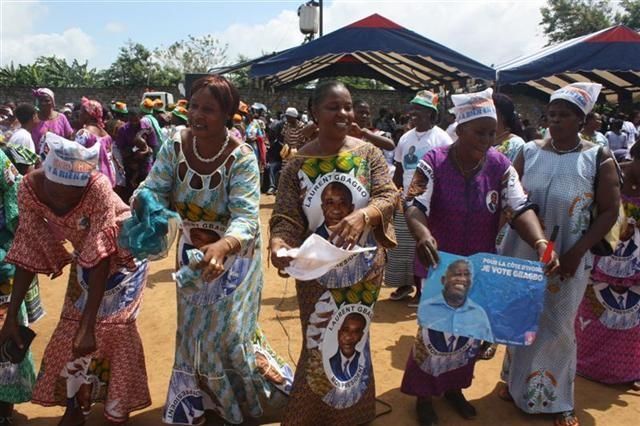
(608, 243)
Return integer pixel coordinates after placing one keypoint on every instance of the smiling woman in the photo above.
(337, 187)
(212, 180)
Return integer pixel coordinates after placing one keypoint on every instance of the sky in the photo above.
(491, 32)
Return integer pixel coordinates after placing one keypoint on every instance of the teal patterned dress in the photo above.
(221, 359)
(16, 380)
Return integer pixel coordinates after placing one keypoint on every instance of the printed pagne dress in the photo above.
(334, 382)
(608, 321)
(541, 376)
(16, 380)
(220, 354)
(115, 373)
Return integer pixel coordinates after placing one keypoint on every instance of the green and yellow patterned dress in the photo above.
(16, 380)
(334, 382)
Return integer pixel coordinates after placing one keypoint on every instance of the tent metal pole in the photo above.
(321, 17)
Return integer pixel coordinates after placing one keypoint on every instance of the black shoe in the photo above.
(460, 404)
(426, 414)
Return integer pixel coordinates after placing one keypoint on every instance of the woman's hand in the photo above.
(569, 262)
(279, 262)
(348, 231)
(356, 131)
(552, 266)
(10, 331)
(213, 262)
(427, 251)
(84, 342)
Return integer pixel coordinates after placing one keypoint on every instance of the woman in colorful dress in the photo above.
(608, 325)
(16, 380)
(212, 180)
(559, 174)
(338, 187)
(95, 352)
(49, 119)
(93, 132)
(454, 204)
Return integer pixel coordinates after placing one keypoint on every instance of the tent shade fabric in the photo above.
(373, 47)
(610, 57)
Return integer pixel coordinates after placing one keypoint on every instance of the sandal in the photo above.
(401, 292)
(487, 351)
(635, 385)
(504, 394)
(566, 418)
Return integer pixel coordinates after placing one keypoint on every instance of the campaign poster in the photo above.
(485, 296)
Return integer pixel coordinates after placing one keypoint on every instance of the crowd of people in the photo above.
(475, 179)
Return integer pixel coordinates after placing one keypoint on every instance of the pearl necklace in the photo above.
(565, 151)
(215, 157)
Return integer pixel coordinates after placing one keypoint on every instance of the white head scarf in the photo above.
(68, 162)
(470, 106)
(583, 95)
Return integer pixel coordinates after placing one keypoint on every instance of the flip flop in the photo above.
(566, 418)
(401, 293)
(488, 351)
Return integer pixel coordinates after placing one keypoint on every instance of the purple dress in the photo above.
(463, 215)
(59, 125)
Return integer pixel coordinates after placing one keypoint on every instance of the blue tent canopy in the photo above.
(610, 57)
(373, 47)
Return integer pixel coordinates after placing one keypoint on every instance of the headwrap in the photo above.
(470, 106)
(43, 91)
(243, 108)
(583, 95)
(180, 112)
(119, 107)
(158, 105)
(237, 118)
(68, 162)
(291, 112)
(426, 99)
(147, 106)
(94, 109)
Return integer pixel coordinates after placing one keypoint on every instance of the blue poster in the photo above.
(484, 296)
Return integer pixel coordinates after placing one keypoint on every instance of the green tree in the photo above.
(630, 15)
(193, 55)
(135, 66)
(51, 71)
(363, 83)
(566, 19)
(240, 78)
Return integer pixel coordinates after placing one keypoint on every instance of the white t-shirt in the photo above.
(413, 146)
(23, 137)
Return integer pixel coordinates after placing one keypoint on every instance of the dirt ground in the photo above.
(391, 336)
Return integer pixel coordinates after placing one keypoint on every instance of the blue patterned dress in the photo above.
(541, 376)
(219, 358)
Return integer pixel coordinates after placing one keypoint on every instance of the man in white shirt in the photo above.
(414, 144)
(26, 115)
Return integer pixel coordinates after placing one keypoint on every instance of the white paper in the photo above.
(315, 257)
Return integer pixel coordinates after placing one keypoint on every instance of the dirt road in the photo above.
(391, 336)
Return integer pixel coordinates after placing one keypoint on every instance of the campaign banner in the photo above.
(485, 296)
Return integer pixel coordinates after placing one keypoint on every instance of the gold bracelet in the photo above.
(229, 244)
(541, 240)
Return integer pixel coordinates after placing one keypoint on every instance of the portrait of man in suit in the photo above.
(619, 297)
(452, 311)
(344, 364)
(336, 204)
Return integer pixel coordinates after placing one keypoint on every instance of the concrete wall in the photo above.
(275, 100)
